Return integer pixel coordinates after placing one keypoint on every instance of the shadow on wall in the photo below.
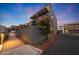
(31, 35)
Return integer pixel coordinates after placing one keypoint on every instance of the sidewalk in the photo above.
(12, 44)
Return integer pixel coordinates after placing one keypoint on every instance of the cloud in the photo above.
(67, 16)
(5, 16)
(66, 12)
(17, 7)
(28, 9)
(10, 16)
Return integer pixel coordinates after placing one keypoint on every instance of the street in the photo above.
(65, 44)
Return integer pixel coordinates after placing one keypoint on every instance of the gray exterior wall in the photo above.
(53, 20)
(2, 28)
(30, 35)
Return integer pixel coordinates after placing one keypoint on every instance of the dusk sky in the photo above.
(19, 13)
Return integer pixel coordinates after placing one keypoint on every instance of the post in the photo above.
(2, 37)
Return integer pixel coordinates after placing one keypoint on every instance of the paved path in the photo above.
(12, 42)
(24, 50)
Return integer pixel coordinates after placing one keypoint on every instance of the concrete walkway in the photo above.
(12, 43)
(24, 50)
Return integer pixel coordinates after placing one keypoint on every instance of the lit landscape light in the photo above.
(1, 47)
(66, 30)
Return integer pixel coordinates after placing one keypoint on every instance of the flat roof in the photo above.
(72, 23)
